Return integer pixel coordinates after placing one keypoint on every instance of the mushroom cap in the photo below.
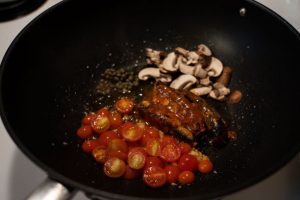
(215, 67)
(201, 90)
(169, 63)
(148, 72)
(183, 81)
(203, 49)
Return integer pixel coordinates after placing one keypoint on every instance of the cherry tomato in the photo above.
(117, 145)
(188, 163)
(106, 137)
(124, 105)
(155, 176)
(100, 154)
(153, 161)
(131, 173)
(85, 131)
(170, 152)
(89, 145)
(87, 120)
(100, 123)
(115, 119)
(131, 132)
(136, 158)
(205, 166)
(168, 140)
(185, 147)
(153, 147)
(149, 133)
(103, 112)
(114, 167)
(118, 154)
(172, 172)
(186, 177)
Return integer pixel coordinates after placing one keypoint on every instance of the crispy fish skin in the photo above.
(179, 112)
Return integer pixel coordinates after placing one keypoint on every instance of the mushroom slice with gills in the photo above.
(169, 63)
(184, 81)
(205, 81)
(200, 91)
(192, 70)
(154, 56)
(191, 57)
(203, 49)
(152, 72)
(215, 67)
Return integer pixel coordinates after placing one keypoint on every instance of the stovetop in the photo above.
(19, 176)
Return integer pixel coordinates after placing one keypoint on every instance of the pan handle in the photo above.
(51, 190)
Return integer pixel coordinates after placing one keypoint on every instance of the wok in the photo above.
(51, 69)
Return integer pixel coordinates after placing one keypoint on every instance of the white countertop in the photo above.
(19, 176)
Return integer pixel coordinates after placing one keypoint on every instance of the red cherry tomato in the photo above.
(172, 172)
(100, 123)
(100, 154)
(131, 132)
(155, 176)
(117, 145)
(114, 167)
(170, 152)
(205, 166)
(149, 133)
(103, 111)
(115, 119)
(153, 147)
(185, 147)
(89, 145)
(188, 163)
(136, 158)
(87, 120)
(106, 137)
(85, 131)
(153, 161)
(168, 140)
(186, 177)
(118, 154)
(131, 173)
(124, 105)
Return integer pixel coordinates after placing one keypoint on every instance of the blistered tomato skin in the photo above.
(188, 163)
(155, 176)
(106, 137)
(153, 161)
(115, 119)
(205, 166)
(117, 145)
(85, 131)
(186, 177)
(89, 145)
(87, 120)
(172, 172)
(100, 154)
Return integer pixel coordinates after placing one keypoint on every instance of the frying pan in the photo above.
(50, 71)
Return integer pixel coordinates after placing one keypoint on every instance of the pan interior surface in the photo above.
(51, 70)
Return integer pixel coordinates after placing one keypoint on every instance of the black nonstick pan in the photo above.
(50, 71)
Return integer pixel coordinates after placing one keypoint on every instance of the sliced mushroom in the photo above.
(199, 71)
(219, 92)
(192, 58)
(154, 56)
(215, 95)
(169, 63)
(184, 81)
(152, 72)
(203, 49)
(200, 91)
(215, 67)
(205, 81)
